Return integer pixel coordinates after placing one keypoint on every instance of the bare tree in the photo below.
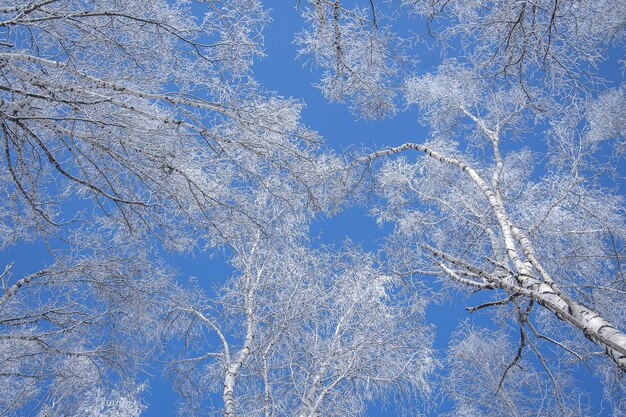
(541, 234)
(145, 110)
(130, 128)
(356, 54)
(127, 128)
(515, 190)
(556, 42)
(70, 331)
(476, 359)
(300, 331)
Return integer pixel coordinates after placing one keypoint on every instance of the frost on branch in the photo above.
(479, 358)
(555, 42)
(318, 331)
(356, 55)
(148, 112)
(607, 117)
(73, 329)
(120, 402)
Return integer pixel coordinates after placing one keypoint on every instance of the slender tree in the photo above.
(300, 331)
(133, 128)
(514, 190)
(127, 128)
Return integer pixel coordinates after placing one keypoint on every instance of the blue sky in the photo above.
(281, 72)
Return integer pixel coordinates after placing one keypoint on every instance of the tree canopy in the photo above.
(134, 132)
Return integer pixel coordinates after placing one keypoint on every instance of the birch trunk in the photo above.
(595, 327)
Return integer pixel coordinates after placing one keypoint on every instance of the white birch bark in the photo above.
(544, 290)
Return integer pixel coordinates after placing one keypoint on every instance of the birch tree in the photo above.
(512, 192)
(301, 331)
(133, 128)
(75, 335)
(128, 128)
(149, 112)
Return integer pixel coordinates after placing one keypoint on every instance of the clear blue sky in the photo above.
(282, 73)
